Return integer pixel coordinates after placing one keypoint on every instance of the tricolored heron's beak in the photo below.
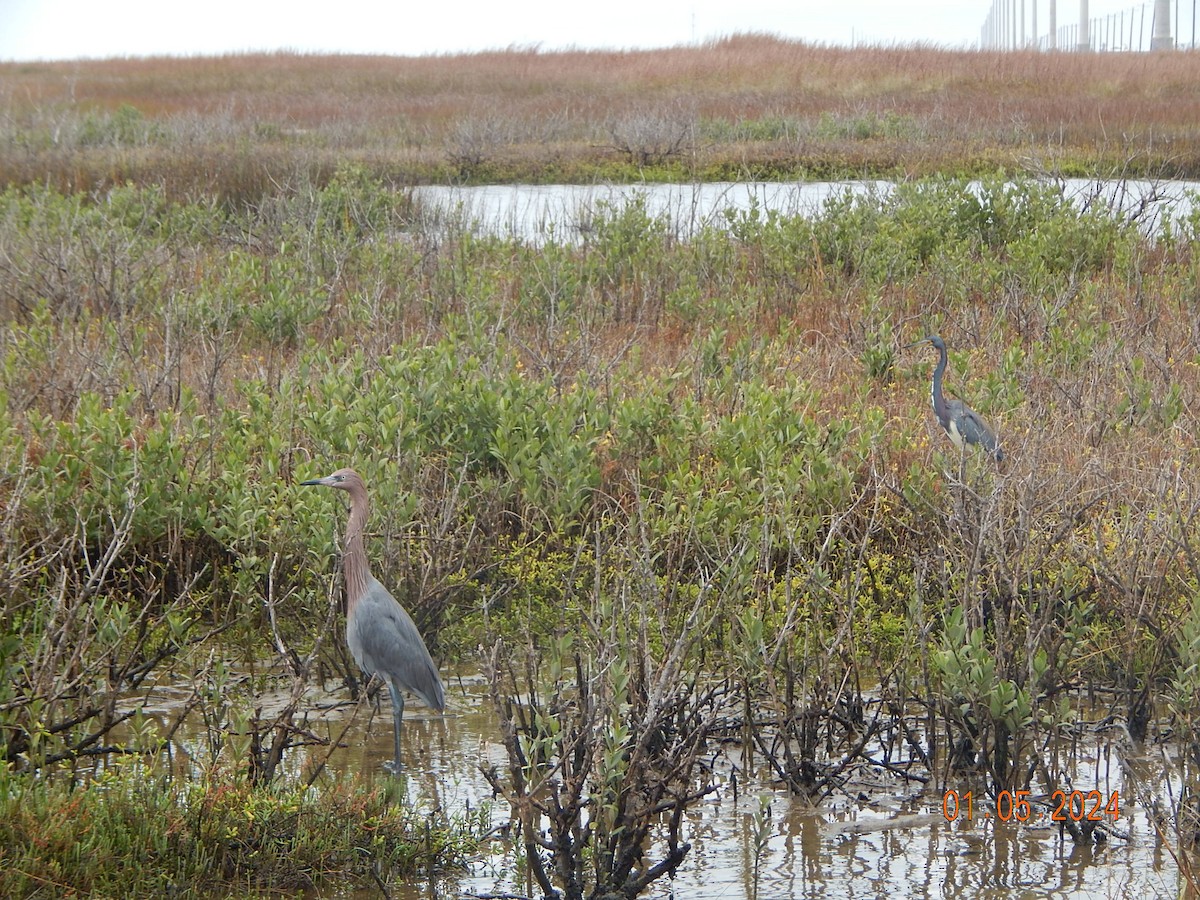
(923, 340)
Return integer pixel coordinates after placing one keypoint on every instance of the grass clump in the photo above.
(135, 830)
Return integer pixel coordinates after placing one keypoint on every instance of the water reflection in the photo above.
(891, 842)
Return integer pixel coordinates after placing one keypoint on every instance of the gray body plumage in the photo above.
(961, 423)
(384, 641)
(381, 635)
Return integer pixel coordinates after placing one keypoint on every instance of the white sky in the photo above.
(67, 29)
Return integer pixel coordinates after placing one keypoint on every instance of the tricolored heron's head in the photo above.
(933, 339)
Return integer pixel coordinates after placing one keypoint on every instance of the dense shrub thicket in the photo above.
(682, 462)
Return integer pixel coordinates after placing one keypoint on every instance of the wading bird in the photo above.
(959, 421)
(382, 636)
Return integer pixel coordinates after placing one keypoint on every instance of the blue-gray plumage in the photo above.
(959, 421)
(382, 636)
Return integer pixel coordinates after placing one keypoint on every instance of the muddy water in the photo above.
(879, 838)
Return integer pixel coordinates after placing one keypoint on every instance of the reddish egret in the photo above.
(959, 421)
(382, 636)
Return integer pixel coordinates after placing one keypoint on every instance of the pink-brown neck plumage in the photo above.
(354, 554)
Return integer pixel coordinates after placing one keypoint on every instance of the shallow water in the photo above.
(880, 838)
(537, 213)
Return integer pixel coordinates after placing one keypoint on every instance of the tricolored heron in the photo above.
(382, 636)
(959, 421)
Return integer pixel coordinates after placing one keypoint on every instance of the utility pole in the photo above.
(1085, 39)
(1053, 26)
(1161, 38)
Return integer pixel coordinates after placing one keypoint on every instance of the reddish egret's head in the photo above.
(343, 479)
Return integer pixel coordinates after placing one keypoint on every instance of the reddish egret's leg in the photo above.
(395, 766)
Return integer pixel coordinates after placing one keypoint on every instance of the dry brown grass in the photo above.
(755, 75)
(750, 104)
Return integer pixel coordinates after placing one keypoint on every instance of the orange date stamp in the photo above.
(1016, 806)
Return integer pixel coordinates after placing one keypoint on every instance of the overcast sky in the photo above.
(71, 29)
(67, 29)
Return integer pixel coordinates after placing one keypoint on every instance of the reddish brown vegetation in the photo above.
(748, 105)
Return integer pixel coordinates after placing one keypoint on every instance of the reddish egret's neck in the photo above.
(354, 556)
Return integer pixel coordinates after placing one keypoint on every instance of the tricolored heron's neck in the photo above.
(935, 388)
